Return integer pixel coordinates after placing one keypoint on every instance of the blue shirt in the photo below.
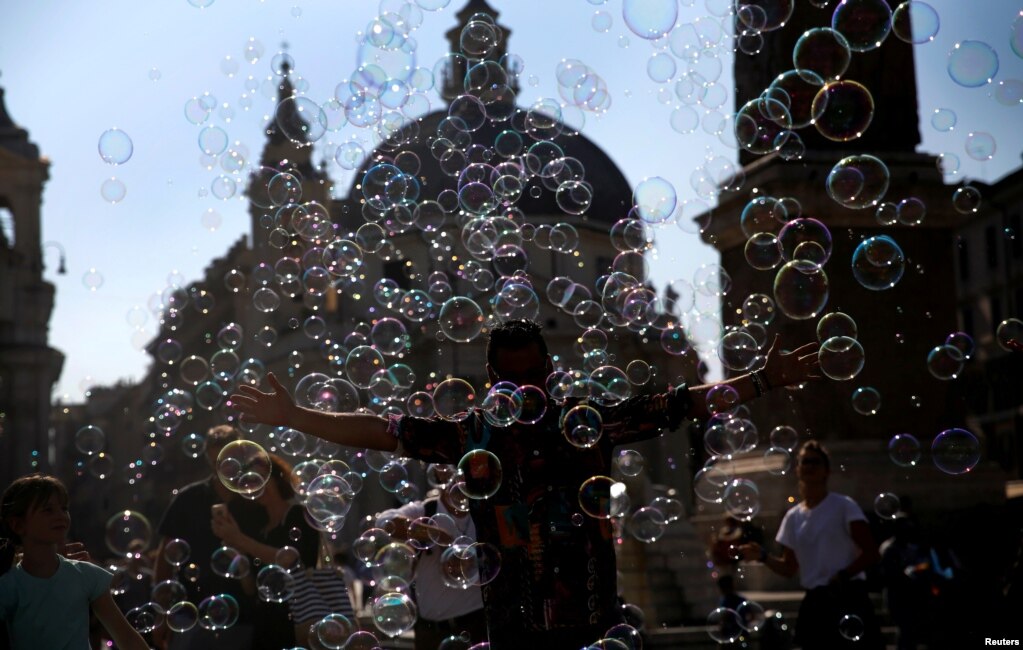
(52, 612)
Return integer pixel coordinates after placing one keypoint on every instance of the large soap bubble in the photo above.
(878, 263)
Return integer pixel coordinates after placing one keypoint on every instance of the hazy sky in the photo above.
(72, 70)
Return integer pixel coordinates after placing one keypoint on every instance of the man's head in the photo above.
(813, 463)
(517, 352)
(217, 438)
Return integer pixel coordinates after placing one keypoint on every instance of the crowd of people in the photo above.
(558, 584)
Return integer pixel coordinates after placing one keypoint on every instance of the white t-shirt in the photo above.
(436, 600)
(821, 538)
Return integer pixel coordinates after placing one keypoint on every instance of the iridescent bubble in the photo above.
(841, 358)
(218, 612)
(904, 450)
(955, 451)
(758, 308)
(759, 215)
(115, 147)
(762, 251)
(778, 460)
(629, 462)
(801, 289)
(864, 23)
(362, 364)
(90, 440)
(393, 613)
(113, 190)
(722, 398)
(796, 90)
(972, 64)
(1009, 330)
(660, 67)
(582, 426)
(182, 616)
(655, 199)
(878, 263)
(945, 362)
(1016, 35)
(650, 19)
(836, 324)
(243, 466)
(980, 146)
(858, 182)
(762, 125)
(738, 351)
(453, 398)
(851, 627)
(724, 625)
(764, 15)
(943, 119)
(601, 21)
(963, 342)
(128, 533)
(821, 54)
(647, 525)
(846, 109)
(966, 199)
(798, 233)
(910, 212)
(866, 400)
(915, 22)
(709, 484)
(742, 499)
(596, 493)
(887, 505)
(785, 437)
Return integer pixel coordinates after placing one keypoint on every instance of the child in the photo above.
(45, 598)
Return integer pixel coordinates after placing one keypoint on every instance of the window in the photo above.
(964, 261)
(6, 228)
(991, 246)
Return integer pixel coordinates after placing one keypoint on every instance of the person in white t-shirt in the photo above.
(827, 541)
(443, 610)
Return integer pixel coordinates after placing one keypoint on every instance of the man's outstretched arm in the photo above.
(780, 369)
(278, 409)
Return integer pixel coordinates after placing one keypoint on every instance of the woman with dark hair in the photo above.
(287, 526)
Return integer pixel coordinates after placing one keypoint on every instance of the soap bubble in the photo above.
(724, 625)
(904, 450)
(650, 19)
(582, 426)
(945, 362)
(461, 319)
(864, 23)
(647, 524)
(835, 323)
(128, 533)
(915, 22)
(90, 440)
(182, 616)
(115, 147)
(709, 484)
(866, 400)
(243, 467)
(228, 562)
(972, 64)
(393, 613)
(851, 627)
(841, 358)
(785, 437)
(845, 110)
(878, 263)
(955, 451)
(176, 551)
(858, 182)
(596, 494)
(966, 199)
(452, 399)
(479, 474)
(1010, 329)
(886, 505)
(821, 54)
(801, 289)
(274, 584)
(629, 462)
(218, 612)
(742, 499)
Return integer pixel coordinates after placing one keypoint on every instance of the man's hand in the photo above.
(225, 527)
(790, 368)
(276, 408)
(750, 552)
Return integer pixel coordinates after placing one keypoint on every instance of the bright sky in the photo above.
(72, 70)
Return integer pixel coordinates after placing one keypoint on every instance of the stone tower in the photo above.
(28, 365)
